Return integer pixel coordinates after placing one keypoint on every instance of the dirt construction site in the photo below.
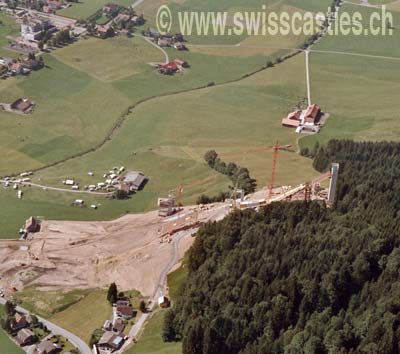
(131, 251)
(135, 251)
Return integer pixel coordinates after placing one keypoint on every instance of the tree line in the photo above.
(298, 277)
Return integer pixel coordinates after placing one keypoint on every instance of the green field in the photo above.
(363, 108)
(78, 311)
(85, 8)
(8, 27)
(109, 60)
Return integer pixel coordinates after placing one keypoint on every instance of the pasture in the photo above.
(109, 60)
(85, 8)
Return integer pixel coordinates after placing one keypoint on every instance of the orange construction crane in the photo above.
(275, 149)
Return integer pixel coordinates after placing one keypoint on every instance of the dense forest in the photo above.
(297, 277)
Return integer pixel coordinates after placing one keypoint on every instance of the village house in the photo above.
(123, 301)
(152, 32)
(126, 312)
(181, 63)
(18, 68)
(25, 337)
(47, 347)
(110, 341)
(168, 68)
(18, 322)
(6, 61)
(107, 326)
(22, 105)
(137, 20)
(104, 31)
(164, 42)
(118, 326)
(122, 19)
(111, 9)
(179, 46)
(31, 64)
(163, 302)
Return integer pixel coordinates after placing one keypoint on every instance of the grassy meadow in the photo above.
(85, 8)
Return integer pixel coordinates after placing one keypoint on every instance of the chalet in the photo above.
(110, 341)
(31, 225)
(25, 337)
(126, 312)
(18, 322)
(22, 105)
(134, 180)
(47, 347)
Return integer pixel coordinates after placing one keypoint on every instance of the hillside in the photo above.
(300, 278)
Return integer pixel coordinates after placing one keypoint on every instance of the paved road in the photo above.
(75, 340)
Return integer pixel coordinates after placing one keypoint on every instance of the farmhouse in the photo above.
(312, 113)
(22, 105)
(134, 180)
(25, 337)
(304, 121)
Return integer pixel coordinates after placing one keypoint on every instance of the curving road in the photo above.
(75, 340)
